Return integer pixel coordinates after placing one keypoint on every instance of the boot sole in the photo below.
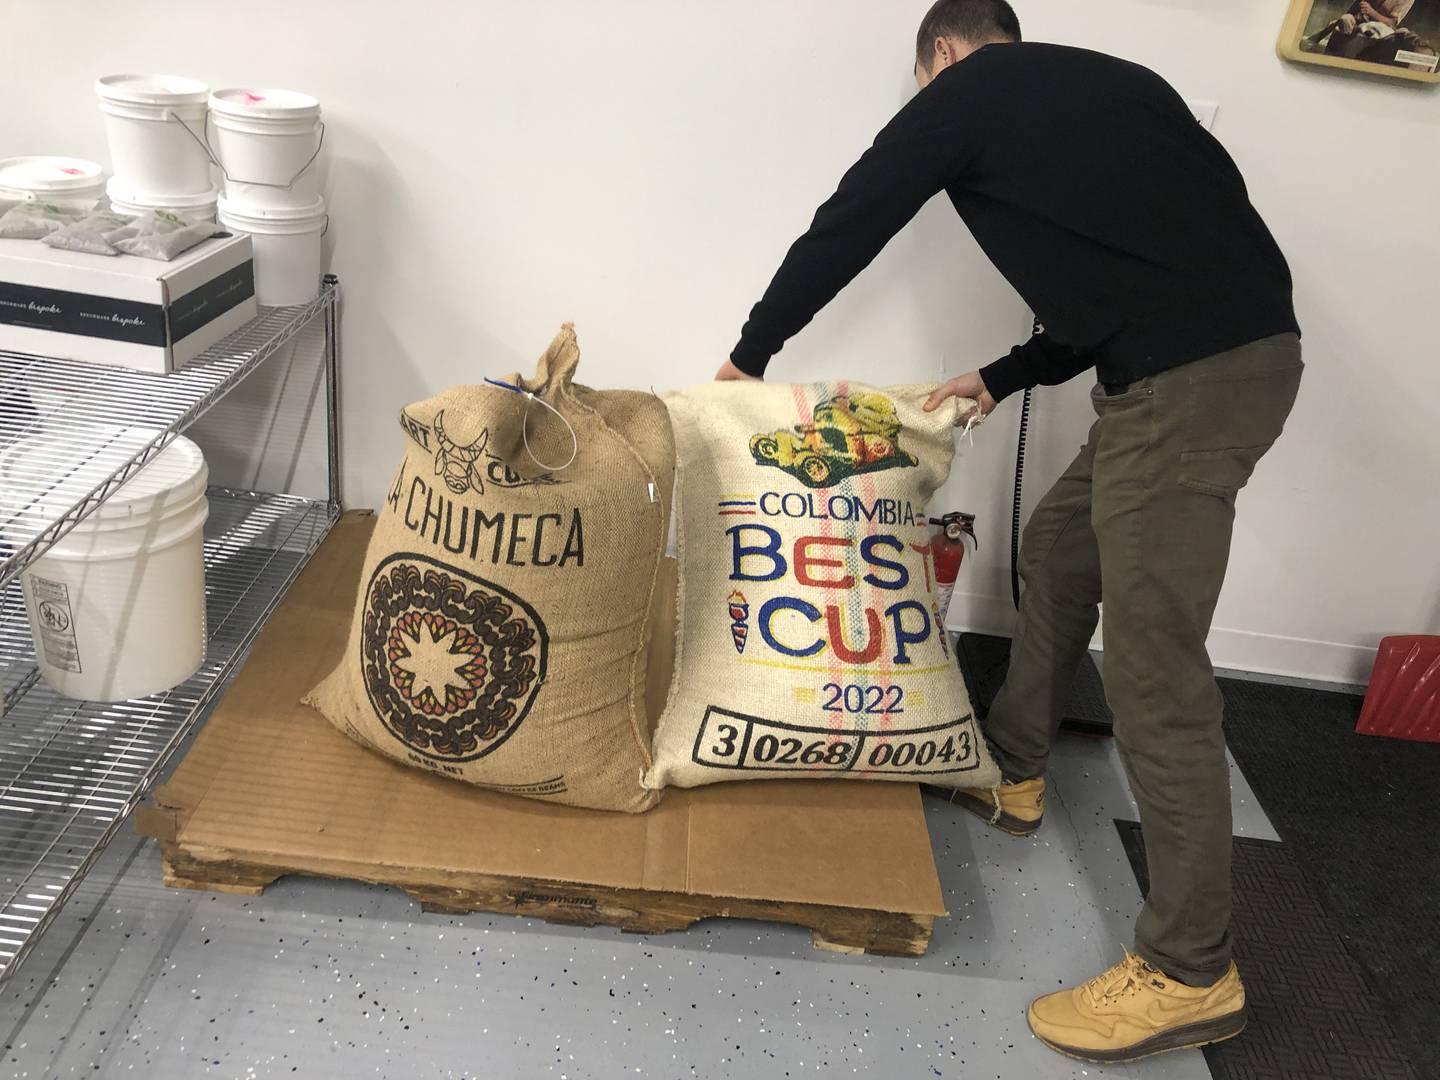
(1006, 823)
(1188, 1037)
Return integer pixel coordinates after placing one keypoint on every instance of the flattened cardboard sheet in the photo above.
(269, 781)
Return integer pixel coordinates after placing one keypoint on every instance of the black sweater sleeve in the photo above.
(1041, 361)
(914, 157)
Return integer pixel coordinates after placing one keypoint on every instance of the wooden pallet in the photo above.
(637, 911)
(270, 789)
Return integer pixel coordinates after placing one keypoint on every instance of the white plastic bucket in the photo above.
(63, 180)
(117, 606)
(155, 125)
(266, 142)
(286, 243)
(193, 208)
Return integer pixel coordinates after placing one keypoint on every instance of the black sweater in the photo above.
(1122, 223)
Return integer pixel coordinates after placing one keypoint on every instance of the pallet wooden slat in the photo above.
(637, 911)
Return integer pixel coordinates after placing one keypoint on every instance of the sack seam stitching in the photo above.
(566, 391)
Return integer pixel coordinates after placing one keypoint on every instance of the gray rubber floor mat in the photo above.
(1312, 1014)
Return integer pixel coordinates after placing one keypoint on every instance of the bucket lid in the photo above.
(264, 104)
(243, 211)
(118, 191)
(173, 478)
(152, 89)
(49, 175)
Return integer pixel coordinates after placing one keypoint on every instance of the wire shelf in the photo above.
(87, 428)
(71, 771)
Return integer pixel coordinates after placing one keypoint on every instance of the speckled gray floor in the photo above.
(320, 979)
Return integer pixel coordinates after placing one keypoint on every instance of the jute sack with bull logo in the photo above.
(810, 641)
(501, 631)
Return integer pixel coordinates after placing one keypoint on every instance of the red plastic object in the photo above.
(1403, 701)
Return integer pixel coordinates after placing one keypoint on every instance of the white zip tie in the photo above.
(525, 436)
(525, 426)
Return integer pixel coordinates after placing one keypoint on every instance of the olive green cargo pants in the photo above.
(1141, 521)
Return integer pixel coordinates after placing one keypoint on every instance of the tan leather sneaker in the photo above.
(1012, 808)
(1133, 1011)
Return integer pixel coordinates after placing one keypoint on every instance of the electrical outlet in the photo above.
(1204, 112)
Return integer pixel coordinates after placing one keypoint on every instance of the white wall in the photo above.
(640, 167)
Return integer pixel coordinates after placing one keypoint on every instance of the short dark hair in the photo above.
(969, 20)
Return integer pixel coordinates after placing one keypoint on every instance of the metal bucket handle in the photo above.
(203, 141)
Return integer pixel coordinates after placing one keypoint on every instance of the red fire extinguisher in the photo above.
(948, 546)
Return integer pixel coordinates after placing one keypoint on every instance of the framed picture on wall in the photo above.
(1395, 38)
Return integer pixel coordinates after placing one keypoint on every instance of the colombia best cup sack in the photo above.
(501, 632)
(810, 641)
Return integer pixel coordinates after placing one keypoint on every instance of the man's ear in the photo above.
(944, 55)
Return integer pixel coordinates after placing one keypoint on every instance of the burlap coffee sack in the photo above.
(810, 640)
(501, 632)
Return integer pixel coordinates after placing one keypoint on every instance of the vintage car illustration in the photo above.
(851, 434)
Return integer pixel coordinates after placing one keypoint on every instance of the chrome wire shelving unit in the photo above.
(86, 407)
(71, 771)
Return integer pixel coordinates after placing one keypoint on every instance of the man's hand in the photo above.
(730, 373)
(1368, 11)
(967, 386)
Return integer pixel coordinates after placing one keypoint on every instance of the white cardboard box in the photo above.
(122, 309)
